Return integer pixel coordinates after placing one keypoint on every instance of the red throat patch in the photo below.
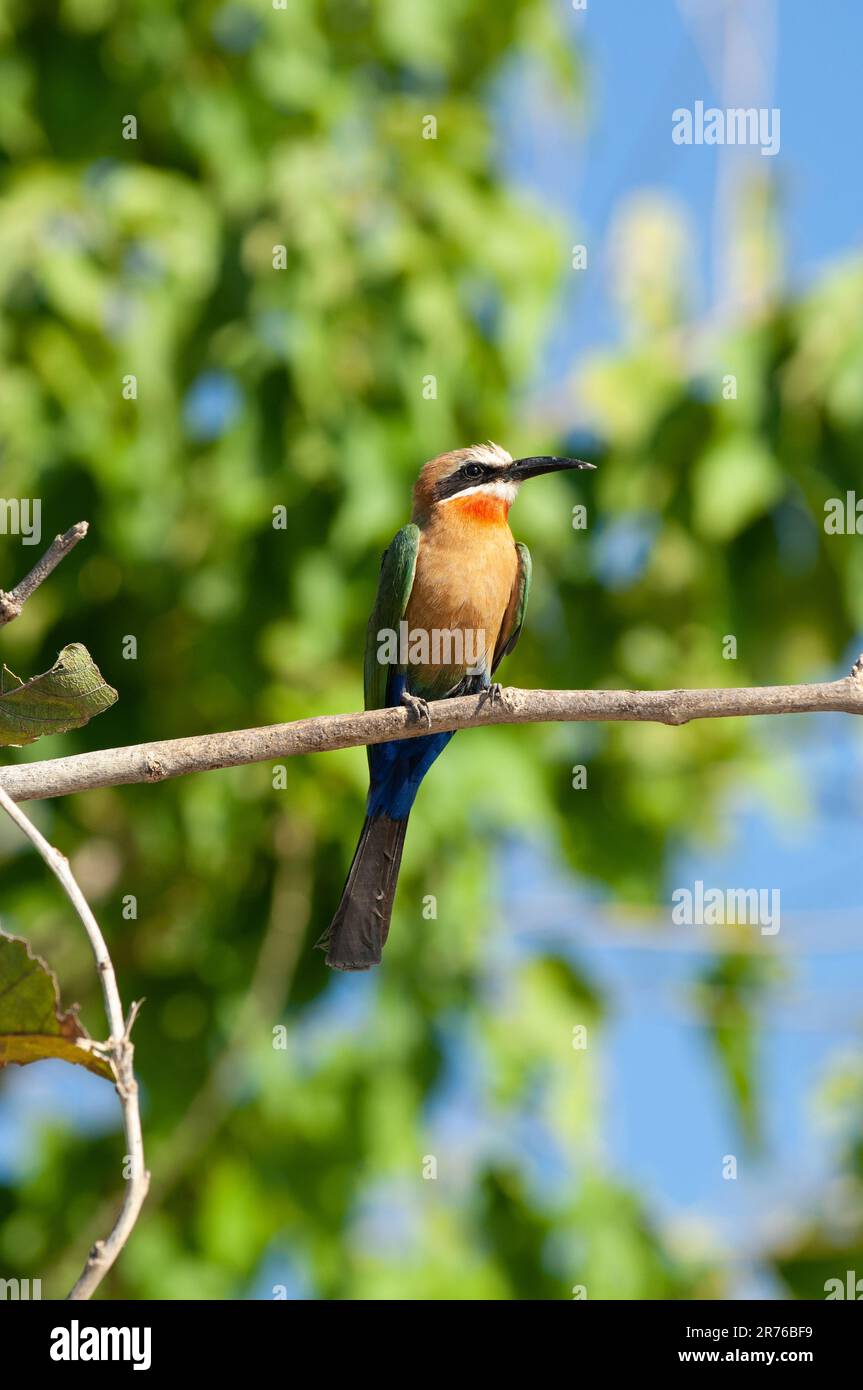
(482, 506)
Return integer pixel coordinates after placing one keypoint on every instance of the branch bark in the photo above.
(155, 762)
(12, 602)
(121, 1051)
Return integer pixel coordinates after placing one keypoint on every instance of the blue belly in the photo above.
(398, 768)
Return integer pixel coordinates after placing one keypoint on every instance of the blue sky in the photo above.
(643, 61)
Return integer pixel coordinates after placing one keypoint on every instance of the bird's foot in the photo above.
(494, 693)
(418, 707)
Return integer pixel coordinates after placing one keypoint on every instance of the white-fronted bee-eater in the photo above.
(451, 603)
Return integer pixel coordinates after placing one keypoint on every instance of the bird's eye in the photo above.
(472, 470)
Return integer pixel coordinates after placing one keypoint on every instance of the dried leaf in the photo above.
(32, 1024)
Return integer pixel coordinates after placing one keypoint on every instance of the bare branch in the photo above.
(119, 1048)
(155, 762)
(12, 602)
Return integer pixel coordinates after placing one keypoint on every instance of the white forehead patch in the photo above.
(491, 453)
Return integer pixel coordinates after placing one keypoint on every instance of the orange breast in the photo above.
(466, 569)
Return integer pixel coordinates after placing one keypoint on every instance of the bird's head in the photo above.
(483, 477)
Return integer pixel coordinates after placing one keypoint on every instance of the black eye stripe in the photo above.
(464, 477)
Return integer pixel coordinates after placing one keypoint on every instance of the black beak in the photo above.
(543, 463)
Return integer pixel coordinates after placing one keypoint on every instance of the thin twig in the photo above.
(12, 602)
(272, 977)
(154, 762)
(120, 1050)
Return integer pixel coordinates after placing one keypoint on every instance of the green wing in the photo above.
(398, 568)
(510, 629)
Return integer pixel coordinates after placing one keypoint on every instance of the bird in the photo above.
(450, 605)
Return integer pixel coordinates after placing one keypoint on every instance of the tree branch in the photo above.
(155, 762)
(119, 1048)
(12, 603)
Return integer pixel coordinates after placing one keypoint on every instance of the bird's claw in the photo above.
(494, 693)
(418, 707)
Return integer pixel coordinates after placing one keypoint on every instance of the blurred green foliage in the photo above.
(303, 387)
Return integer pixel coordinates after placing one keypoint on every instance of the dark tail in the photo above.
(355, 938)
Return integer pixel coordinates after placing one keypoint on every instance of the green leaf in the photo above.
(66, 697)
(33, 1027)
